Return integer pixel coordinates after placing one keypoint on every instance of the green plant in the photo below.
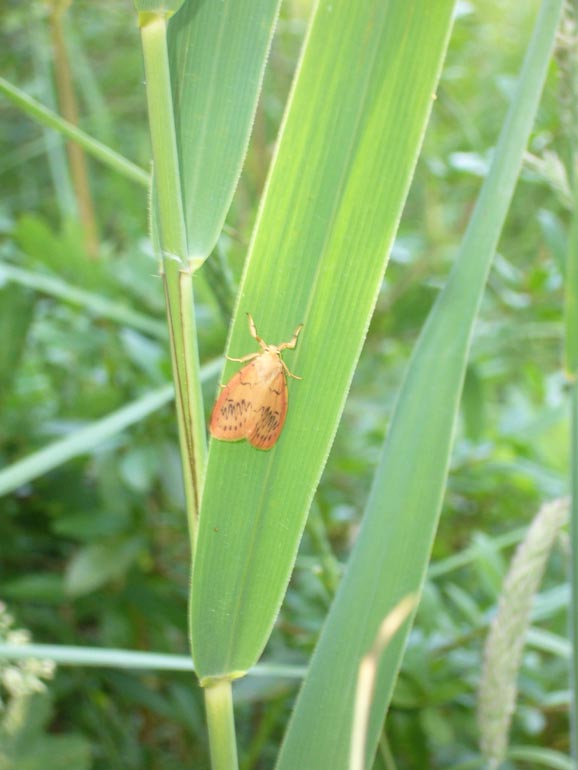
(347, 150)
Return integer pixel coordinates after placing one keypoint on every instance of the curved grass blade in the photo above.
(391, 553)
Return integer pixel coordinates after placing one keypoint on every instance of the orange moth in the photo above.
(253, 404)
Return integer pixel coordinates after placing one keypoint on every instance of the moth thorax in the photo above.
(268, 364)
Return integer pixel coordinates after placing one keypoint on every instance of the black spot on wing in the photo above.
(269, 420)
(266, 428)
(235, 410)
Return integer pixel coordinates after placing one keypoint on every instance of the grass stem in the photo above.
(221, 723)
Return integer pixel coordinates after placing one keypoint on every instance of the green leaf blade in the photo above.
(393, 547)
(46, 117)
(81, 441)
(340, 177)
(218, 52)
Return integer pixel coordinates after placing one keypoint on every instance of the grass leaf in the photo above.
(390, 557)
(218, 52)
(348, 148)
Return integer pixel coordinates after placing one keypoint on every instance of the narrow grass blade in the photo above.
(81, 441)
(568, 94)
(169, 235)
(218, 52)
(17, 307)
(391, 553)
(87, 439)
(50, 119)
(97, 304)
(571, 298)
(345, 158)
(567, 58)
(536, 757)
(68, 655)
(573, 610)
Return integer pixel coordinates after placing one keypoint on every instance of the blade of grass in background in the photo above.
(97, 304)
(54, 144)
(68, 655)
(50, 119)
(81, 441)
(535, 757)
(218, 52)
(573, 612)
(390, 557)
(88, 439)
(66, 91)
(348, 148)
(568, 57)
(17, 308)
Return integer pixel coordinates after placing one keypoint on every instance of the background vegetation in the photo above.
(95, 552)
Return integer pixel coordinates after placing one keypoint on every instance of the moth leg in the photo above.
(289, 374)
(291, 345)
(248, 357)
(253, 331)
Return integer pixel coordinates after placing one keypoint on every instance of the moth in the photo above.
(253, 404)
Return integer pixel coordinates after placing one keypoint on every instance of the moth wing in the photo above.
(235, 405)
(265, 424)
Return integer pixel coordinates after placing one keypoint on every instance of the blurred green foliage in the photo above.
(96, 552)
